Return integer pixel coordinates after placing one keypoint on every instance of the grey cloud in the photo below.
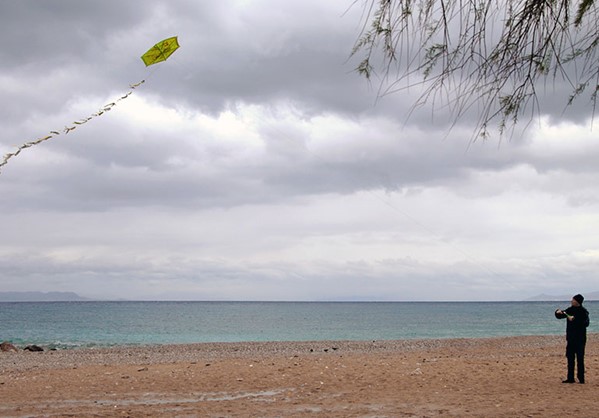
(133, 170)
(221, 279)
(262, 171)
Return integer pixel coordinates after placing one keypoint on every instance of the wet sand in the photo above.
(497, 377)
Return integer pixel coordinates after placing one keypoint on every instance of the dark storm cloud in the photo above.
(255, 162)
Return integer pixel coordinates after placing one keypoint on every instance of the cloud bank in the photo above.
(255, 164)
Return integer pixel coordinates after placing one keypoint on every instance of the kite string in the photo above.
(79, 122)
(73, 126)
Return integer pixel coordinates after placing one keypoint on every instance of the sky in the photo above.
(256, 164)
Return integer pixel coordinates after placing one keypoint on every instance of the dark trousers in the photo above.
(575, 355)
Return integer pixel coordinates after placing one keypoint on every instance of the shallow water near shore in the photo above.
(102, 324)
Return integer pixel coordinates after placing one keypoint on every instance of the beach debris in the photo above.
(416, 372)
(6, 346)
(33, 347)
(143, 369)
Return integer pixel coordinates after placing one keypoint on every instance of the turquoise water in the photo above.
(88, 324)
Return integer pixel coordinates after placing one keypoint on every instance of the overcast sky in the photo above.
(255, 164)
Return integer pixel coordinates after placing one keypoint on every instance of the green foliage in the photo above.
(583, 8)
(485, 53)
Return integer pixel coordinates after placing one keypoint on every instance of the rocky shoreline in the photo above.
(22, 359)
(488, 377)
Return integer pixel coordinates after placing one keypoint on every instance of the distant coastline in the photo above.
(41, 297)
(74, 297)
(552, 298)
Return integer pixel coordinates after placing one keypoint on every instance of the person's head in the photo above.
(577, 300)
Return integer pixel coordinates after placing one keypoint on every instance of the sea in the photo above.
(72, 325)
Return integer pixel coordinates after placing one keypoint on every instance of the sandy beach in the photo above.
(496, 377)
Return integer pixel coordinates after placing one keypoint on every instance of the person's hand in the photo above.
(570, 318)
(559, 312)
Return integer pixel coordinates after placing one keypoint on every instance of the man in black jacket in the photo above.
(576, 336)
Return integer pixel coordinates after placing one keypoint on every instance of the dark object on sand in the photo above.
(6, 346)
(33, 348)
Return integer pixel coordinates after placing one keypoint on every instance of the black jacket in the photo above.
(576, 330)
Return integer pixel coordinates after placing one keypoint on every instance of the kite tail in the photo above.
(70, 128)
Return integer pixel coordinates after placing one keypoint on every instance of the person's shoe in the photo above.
(581, 382)
(567, 381)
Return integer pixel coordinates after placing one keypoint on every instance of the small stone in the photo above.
(6, 346)
(33, 348)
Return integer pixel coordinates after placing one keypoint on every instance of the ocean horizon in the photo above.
(79, 324)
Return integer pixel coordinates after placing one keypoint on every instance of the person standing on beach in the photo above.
(576, 336)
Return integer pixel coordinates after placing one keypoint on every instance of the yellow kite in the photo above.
(161, 51)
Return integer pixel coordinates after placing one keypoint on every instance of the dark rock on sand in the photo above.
(33, 348)
(6, 346)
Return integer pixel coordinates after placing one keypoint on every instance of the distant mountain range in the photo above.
(40, 297)
(74, 297)
(563, 298)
